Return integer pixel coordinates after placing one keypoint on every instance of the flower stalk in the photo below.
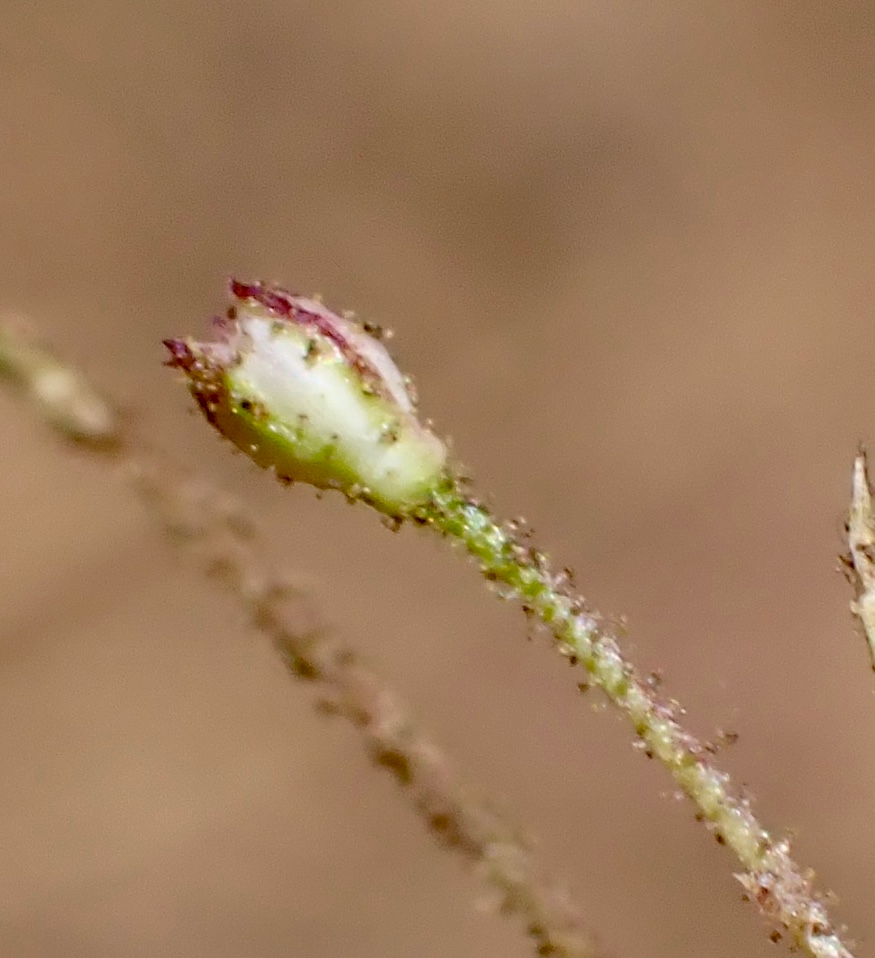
(771, 878)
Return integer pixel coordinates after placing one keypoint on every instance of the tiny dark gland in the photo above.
(397, 763)
(441, 822)
(305, 669)
(719, 839)
(327, 707)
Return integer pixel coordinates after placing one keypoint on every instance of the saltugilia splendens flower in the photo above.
(313, 396)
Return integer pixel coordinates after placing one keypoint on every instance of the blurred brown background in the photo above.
(627, 249)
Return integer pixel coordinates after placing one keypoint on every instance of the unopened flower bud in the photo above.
(313, 396)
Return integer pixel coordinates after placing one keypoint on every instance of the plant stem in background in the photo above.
(59, 393)
(210, 524)
(227, 543)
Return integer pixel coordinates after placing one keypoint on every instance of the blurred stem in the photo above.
(210, 524)
(60, 393)
(771, 878)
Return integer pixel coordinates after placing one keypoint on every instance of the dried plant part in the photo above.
(861, 541)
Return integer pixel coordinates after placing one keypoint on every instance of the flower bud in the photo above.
(315, 397)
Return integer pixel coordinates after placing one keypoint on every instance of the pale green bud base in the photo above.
(296, 454)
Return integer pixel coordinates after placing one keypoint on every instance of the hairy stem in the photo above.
(771, 878)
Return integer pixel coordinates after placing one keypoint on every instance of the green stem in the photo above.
(772, 879)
